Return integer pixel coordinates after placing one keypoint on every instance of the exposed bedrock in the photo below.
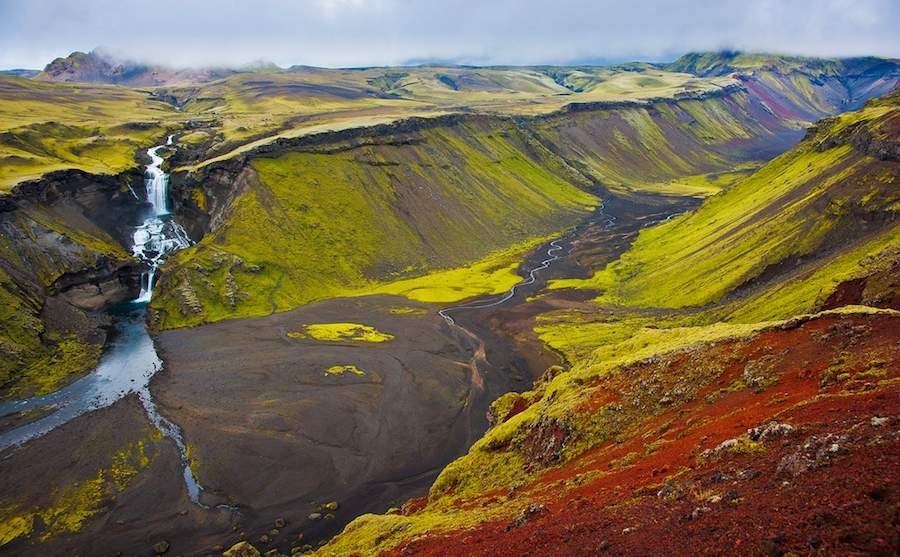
(62, 260)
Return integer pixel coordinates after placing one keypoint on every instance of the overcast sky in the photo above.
(382, 32)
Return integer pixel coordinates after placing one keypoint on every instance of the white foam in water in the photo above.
(130, 361)
(159, 235)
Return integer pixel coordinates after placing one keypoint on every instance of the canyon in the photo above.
(521, 302)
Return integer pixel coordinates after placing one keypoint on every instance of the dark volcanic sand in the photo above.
(153, 505)
(278, 437)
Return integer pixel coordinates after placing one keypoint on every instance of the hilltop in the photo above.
(99, 66)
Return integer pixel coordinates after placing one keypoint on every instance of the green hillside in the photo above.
(95, 128)
(834, 194)
(339, 219)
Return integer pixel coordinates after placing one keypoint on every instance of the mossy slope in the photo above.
(343, 218)
(799, 218)
(633, 148)
(622, 430)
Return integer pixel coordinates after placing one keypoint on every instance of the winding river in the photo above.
(130, 360)
(553, 255)
(479, 352)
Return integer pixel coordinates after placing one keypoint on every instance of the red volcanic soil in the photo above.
(827, 483)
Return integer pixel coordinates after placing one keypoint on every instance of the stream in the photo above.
(553, 255)
(129, 360)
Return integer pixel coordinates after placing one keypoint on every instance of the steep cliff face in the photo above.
(337, 215)
(61, 259)
(632, 148)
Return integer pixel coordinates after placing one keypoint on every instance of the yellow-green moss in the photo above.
(48, 374)
(342, 369)
(73, 505)
(794, 208)
(376, 219)
(407, 310)
(493, 274)
(341, 332)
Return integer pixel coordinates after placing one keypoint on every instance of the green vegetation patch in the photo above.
(364, 219)
(494, 274)
(341, 332)
(799, 205)
(53, 126)
(73, 505)
(341, 370)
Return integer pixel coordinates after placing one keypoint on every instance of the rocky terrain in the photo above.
(99, 66)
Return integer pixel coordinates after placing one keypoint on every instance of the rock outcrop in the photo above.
(62, 260)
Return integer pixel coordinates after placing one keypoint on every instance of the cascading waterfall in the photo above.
(130, 361)
(159, 235)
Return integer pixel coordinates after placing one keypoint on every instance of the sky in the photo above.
(348, 33)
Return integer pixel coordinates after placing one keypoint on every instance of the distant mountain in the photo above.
(101, 67)
(20, 72)
(707, 64)
(833, 84)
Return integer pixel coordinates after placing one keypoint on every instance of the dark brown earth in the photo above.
(131, 512)
(277, 437)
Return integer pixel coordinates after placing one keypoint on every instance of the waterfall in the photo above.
(130, 359)
(159, 235)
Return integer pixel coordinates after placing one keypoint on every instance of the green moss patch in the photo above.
(341, 370)
(341, 332)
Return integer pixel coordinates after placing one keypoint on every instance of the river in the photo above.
(130, 360)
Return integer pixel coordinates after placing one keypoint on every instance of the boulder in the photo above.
(242, 549)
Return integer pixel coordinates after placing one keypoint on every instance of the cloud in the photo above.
(383, 32)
